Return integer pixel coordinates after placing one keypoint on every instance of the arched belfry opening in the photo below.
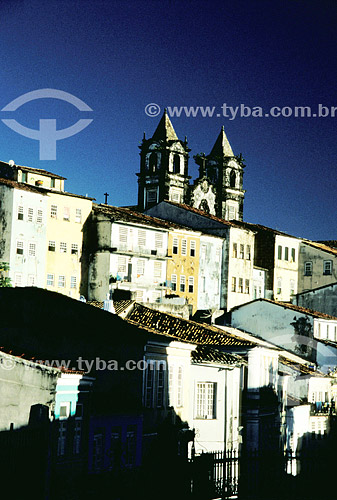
(153, 163)
(176, 164)
(232, 179)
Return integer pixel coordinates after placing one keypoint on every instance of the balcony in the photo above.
(155, 253)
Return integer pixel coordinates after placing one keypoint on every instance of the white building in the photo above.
(23, 212)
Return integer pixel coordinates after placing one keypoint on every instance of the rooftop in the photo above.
(288, 305)
(33, 170)
(127, 215)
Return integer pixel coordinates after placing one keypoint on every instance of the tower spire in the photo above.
(222, 146)
(165, 130)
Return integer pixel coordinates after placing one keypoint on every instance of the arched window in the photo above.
(176, 164)
(232, 179)
(153, 163)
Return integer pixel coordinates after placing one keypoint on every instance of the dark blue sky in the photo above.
(118, 56)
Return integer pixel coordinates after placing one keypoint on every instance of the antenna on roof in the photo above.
(11, 163)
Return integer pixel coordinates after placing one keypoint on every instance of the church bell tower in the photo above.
(163, 167)
(218, 189)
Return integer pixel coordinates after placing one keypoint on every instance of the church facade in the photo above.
(218, 190)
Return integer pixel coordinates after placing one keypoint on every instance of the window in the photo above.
(180, 387)
(293, 255)
(308, 269)
(248, 252)
(149, 385)
(73, 282)
(319, 330)
(50, 280)
(123, 235)
(233, 284)
(19, 247)
(61, 442)
(141, 238)
(286, 253)
(247, 286)
(30, 215)
(32, 249)
(176, 164)
(53, 211)
(24, 177)
(64, 410)
(182, 283)
(18, 279)
(66, 213)
(174, 282)
(121, 265)
(130, 445)
(62, 281)
(242, 251)
(175, 196)
(279, 286)
(140, 267)
(115, 448)
(97, 455)
(206, 394)
(77, 438)
(203, 252)
(20, 213)
(51, 246)
(183, 247)
(158, 240)
(240, 285)
(139, 295)
(74, 248)
(292, 287)
(157, 269)
(235, 250)
(151, 196)
(63, 247)
(191, 284)
(52, 182)
(327, 267)
(192, 248)
(279, 252)
(170, 394)
(160, 385)
(152, 163)
(78, 215)
(203, 284)
(31, 280)
(39, 217)
(231, 213)
(175, 246)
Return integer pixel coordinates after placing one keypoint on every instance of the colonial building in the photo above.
(164, 174)
(317, 265)
(235, 271)
(43, 229)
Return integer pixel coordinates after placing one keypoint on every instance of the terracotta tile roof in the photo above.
(127, 215)
(121, 305)
(40, 362)
(301, 367)
(96, 303)
(22, 186)
(260, 227)
(39, 171)
(204, 214)
(183, 329)
(321, 246)
(288, 305)
(207, 354)
(318, 288)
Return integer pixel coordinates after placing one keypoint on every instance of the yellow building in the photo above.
(183, 264)
(66, 216)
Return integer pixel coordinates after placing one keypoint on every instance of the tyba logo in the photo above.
(47, 134)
